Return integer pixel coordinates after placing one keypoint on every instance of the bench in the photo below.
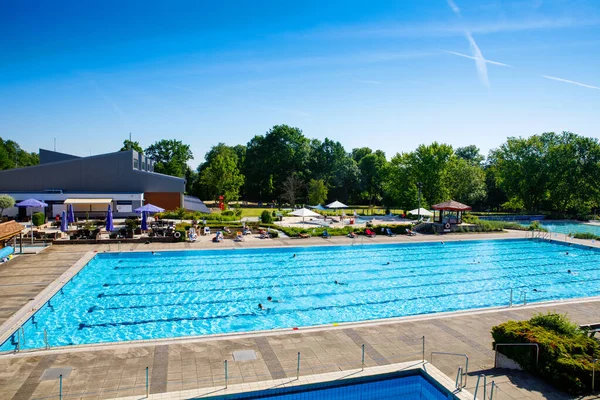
(591, 328)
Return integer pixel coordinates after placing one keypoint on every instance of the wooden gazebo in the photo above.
(450, 212)
(8, 231)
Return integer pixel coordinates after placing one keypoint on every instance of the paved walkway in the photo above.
(120, 370)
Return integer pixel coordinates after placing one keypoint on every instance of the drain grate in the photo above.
(53, 373)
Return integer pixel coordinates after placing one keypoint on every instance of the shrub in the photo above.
(566, 352)
(238, 212)
(227, 213)
(266, 218)
(274, 234)
(38, 219)
(585, 235)
(131, 223)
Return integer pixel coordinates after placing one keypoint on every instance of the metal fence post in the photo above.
(60, 387)
(147, 384)
(226, 374)
(594, 374)
(363, 358)
(511, 297)
(298, 368)
(423, 357)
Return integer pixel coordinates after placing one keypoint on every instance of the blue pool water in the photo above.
(561, 227)
(133, 296)
(413, 387)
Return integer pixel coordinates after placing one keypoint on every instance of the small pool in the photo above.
(120, 297)
(566, 227)
(378, 387)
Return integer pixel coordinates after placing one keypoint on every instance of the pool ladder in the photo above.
(522, 296)
(485, 397)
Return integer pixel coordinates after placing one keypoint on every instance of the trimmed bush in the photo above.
(227, 213)
(585, 235)
(266, 217)
(38, 219)
(566, 352)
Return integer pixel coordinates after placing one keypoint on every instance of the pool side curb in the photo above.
(20, 317)
(424, 368)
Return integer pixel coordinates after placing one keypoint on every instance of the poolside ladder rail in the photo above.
(147, 384)
(46, 344)
(459, 379)
(362, 368)
(466, 371)
(226, 374)
(523, 296)
(510, 303)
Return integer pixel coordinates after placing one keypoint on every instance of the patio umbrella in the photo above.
(63, 222)
(304, 212)
(144, 221)
(71, 216)
(109, 220)
(318, 207)
(421, 211)
(31, 203)
(336, 205)
(149, 208)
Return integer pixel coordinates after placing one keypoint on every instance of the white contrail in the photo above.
(473, 58)
(454, 8)
(479, 60)
(571, 82)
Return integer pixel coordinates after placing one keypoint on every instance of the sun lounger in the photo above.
(239, 237)
(303, 235)
(370, 233)
(326, 235)
(389, 232)
(192, 235)
(410, 232)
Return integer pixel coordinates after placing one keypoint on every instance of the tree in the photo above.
(12, 156)
(272, 158)
(465, 180)
(130, 145)
(470, 154)
(220, 175)
(371, 167)
(429, 166)
(399, 183)
(359, 153)
(5, 202)
(170, 156)
(291, 189)
(317, 191)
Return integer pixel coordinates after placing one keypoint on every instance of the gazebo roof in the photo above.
(451, 205)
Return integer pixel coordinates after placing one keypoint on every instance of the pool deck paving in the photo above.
(119, 370)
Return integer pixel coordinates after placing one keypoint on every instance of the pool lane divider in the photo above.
(330, 307)
(13, 323)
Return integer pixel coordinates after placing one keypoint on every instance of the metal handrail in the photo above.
(477, 387)
(537, 351)
(523, 296)
(458, 381)
(466, 373)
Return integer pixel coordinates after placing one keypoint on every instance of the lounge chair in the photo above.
(218, 237)
(264, 234)
(192, 235)
(206, 230)
(370, 233)
(352, 235)
(239, 237)
(389, 232)
(326, 234)
(303, 235)
(410, 232)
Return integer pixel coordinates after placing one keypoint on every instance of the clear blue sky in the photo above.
(384, 74)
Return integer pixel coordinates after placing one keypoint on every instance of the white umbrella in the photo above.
(303, 212)
(318, 207)
(337, 204)
(421, 211)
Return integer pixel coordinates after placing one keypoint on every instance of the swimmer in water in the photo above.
(339, 283)
(567, 253)
(271, 300)
(260, 306)
(294, 255)
(388, 263)
(153, 253)
(536, 290)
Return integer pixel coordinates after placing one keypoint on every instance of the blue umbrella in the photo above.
(144, 221)
(71, 216)
(150, 208)
(31, 203)
(109, 220)
(63, 222)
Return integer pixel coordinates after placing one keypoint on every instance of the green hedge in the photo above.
(566, 352)
(585, 235)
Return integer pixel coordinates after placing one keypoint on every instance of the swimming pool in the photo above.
(134, 296)
(378, 387)
(569, 227)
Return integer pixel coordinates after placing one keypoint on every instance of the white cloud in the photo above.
(473, 58)
(571, 82)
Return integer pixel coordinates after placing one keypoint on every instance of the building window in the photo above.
(135, 163)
